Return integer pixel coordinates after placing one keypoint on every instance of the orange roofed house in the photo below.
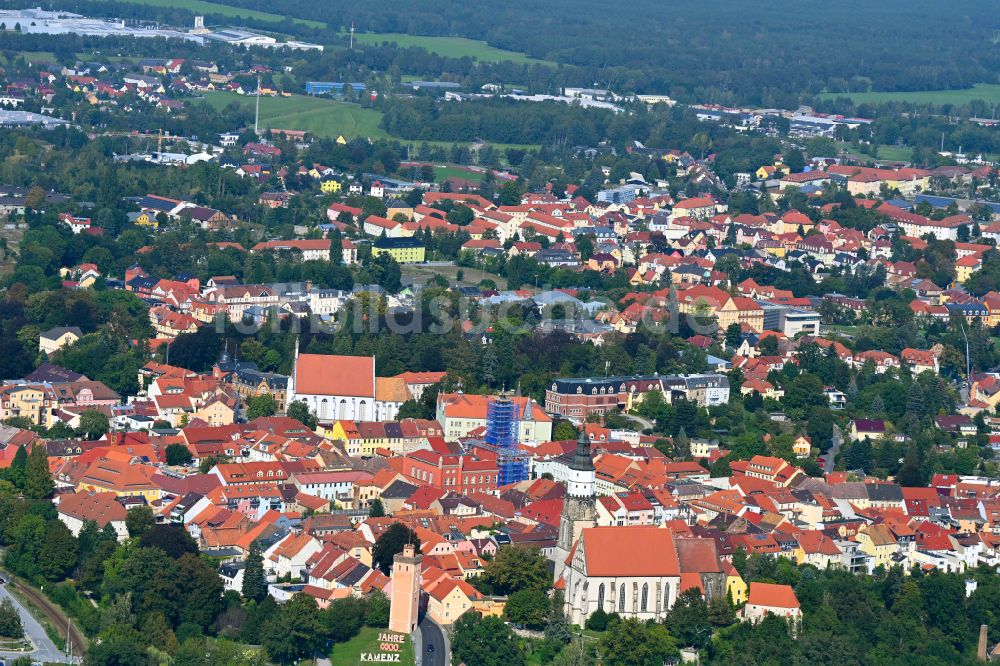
(769, 599)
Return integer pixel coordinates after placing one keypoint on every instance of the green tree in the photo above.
(139, 520)
(294, 632)
(10, 620)
(377, 611)
(910, 475)
(122, 649)
(59, 552)
(254, 581)
(768, 346)
(688, 619)
(634, 643)
(795, 160)
(201, 590)
(518, 568)
(261, 406)
(94, 424)
(299, 411)
(18, 467)
(344, 618)
(376, 509)
(178, 454)
(37, 479)
(598, 620)
(564, 430)
(390, 543)
(682, 444)
(171, 539)
(803, 393)
(479, 641)
(734, 335)
(529, 607)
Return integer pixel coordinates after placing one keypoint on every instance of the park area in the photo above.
(318, 116)
(988, 92)
(450, 47)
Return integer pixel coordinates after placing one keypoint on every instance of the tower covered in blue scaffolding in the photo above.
(501, 436)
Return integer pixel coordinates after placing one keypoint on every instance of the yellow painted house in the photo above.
(346, 432)
(146, 219)
(966, 266)
(403, 250)
(879, 542)
(736, 587)
(330, 186)
(216, 413)
(449, 599)
(35, 403)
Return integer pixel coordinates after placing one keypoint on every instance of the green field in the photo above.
(990, 92)
(205, 7)
(318, 116)
(34, 56)
(349, 653)
(450, 47)
(888, 152)
(442, 174)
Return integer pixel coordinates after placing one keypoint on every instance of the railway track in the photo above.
(54, 615)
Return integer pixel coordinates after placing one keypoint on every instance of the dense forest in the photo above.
(720, 51)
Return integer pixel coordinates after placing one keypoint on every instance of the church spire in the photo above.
(583, 461)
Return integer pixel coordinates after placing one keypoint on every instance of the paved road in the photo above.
(432, 634)
(645, 423)
(45, 649)
(831, 455)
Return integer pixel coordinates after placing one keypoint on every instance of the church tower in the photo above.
(579, 505)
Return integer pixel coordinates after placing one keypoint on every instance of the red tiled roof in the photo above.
(650, 551)
(774, 596)
(322, 374)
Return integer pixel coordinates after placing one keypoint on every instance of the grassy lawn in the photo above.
(990, 92)
(450, 47)
(204, 7)
(443, 173)
(885, 152)
(321, 117)
(416, 274)
(15, 645)
(35, 56)
(349, 653)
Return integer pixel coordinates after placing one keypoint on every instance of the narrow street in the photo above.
(831, 455)
(45, 650)
(432, 634)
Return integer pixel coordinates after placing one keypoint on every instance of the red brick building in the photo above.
(462, 474)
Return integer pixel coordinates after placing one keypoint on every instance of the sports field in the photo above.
(205, 7)
(450, 47)
(318, 116)
(989, 92)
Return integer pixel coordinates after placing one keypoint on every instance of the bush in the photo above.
(66, 595)
(598, 620)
